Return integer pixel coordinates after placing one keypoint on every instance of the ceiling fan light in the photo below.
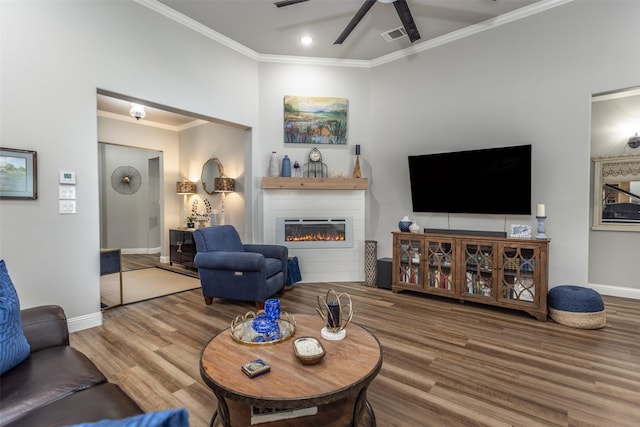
(137, 111)
(386, 1)
(306, 40)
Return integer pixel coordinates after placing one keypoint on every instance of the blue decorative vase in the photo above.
(404, 223)
(272, 309)
(286, 166)
(268, 329)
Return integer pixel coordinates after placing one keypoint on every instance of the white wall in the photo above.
(529, 81)
(201, 143)
(55, 55)
(278, 80)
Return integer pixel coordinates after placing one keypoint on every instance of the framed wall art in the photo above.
(315, 120)
(18, 174)
(520, 231)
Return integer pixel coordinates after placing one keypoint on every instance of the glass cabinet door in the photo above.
(410, 265)
(518, 281)
(440, 255)
(479, 270)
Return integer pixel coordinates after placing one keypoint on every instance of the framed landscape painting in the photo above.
(315, 120)
(18, 174)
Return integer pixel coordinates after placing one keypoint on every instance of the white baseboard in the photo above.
(616, 291)
(84, 322)
(164, 260)
(137, 251)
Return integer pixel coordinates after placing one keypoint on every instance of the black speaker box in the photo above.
(384, 267)
(466, 232)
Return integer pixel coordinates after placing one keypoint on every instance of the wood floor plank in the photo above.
(445, 363)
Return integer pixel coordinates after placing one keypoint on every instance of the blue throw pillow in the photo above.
(14, 347)
(166, 418)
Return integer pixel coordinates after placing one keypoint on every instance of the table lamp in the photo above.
(185, 188)
(224, 185)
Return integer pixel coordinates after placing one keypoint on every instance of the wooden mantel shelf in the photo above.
(281, 183)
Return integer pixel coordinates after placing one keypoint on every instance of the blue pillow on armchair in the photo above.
(14, 347)
(167, 418)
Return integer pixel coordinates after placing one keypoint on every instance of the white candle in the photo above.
(540, 210)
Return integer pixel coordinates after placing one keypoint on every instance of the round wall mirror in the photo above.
(211, 170)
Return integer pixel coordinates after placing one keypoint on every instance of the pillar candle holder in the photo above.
(356, 169)
(541, 229)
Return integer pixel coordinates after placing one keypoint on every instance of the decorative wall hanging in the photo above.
(18, 174)
(315, 120)
(126, 179)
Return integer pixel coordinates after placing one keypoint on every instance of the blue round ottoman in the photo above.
(577, 307)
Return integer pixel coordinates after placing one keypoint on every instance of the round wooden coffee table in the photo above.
(343, 375)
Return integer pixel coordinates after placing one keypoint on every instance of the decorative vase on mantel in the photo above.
(274, 167)
(414, 227)
(286, 166)
(404, 223)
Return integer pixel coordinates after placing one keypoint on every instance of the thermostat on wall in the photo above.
(67, 177)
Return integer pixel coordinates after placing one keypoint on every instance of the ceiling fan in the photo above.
(401, 7)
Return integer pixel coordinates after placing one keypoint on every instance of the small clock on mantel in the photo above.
(315, 168)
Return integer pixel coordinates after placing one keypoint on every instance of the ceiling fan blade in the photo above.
(288, 2)
(355, 20)
(407, 19)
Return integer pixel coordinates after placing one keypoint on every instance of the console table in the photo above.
(337, 385)
(182, 247)
(505, 272)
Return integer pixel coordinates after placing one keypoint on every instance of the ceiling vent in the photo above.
(394, 34)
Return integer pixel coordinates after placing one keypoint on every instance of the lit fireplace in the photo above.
(314, 232)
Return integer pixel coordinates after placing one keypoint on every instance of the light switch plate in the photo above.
(67, 206)
(67, 192)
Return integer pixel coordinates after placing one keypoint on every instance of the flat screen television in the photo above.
(486, 181)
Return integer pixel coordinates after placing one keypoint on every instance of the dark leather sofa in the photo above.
(57, 385)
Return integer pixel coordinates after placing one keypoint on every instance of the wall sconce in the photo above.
(137, 111)
(185, 188)
(634, 141)
(224, 185)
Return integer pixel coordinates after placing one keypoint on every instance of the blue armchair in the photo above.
(230, 269)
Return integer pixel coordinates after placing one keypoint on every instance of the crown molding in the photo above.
(471, 30)
(310, 60)
(166, 11)
(506, 18)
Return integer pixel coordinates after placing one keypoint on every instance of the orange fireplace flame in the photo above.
(317, 237)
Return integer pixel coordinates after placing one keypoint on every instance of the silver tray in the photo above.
(242, 331)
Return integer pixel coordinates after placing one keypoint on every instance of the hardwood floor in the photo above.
(138, 261)
(445, 363)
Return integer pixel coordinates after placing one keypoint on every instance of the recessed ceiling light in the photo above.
(306, 40)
